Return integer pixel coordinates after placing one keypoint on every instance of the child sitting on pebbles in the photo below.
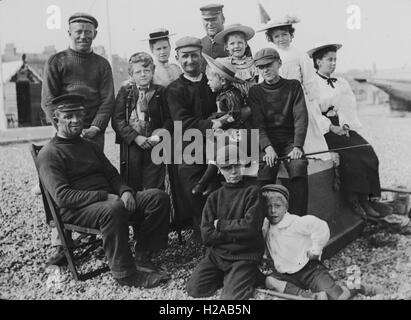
(295, 245)
(231, 230)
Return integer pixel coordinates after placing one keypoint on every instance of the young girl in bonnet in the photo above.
(235, 39)
(296, 65)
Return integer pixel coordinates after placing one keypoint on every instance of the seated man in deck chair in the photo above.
(90, 193)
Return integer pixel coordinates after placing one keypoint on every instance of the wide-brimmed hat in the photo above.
(223, 67)
(336, 46)
(281, 22)
(248, 32)
(158, 34)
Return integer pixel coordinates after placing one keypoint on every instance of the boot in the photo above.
(144, 263)
(356, 206)
(209, 175)
(58, 258)
(144, 280)
(365, 204)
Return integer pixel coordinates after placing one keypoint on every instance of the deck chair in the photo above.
(87, 241)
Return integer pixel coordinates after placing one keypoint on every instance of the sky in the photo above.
(380, 32)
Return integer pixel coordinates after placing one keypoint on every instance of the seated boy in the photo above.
(295, 245)
(231, 229)
(230, 103)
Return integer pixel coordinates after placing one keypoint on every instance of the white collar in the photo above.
(194, 79)
(285, 222)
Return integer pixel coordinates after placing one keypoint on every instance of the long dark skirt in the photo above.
(358, 167)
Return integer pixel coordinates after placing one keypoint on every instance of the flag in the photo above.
(264, 17)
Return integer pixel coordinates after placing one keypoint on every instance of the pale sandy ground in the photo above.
(25, 244)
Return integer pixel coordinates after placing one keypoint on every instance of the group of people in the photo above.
(220, 85)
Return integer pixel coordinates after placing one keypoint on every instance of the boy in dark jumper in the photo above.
(231, 229)
(230, 103)
(280, 113)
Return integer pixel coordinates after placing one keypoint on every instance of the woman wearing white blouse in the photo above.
(339, 120)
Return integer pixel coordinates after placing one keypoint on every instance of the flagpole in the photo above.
(110, 58)
(3, 119)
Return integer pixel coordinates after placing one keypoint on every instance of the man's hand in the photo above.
(312, 256)
(129, 202)
(215, 223)
(270, 156)
(91, 132)
(143, 142)
(296, 153)
(113, 197)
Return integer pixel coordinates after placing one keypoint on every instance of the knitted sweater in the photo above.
(87, 74)
(76, 173)
(279, 112)
(240, 215)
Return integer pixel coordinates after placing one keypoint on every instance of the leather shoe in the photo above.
(58, 258)
(143, 280)
(369, 210)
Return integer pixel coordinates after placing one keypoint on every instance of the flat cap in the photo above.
(265, 56)
(276, 188)
(83, 17)
(69, 103)
(188, 44)
(211, 10)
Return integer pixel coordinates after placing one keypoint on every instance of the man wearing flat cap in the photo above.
(213, 22)
(79, 70)
(191, 102)
(90, 193)
(280, 113)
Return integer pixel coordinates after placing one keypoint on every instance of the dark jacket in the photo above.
(240, 213)
(157, 110)
(279, 112)
(191, 103)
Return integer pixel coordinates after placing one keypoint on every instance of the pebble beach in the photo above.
(25, 237)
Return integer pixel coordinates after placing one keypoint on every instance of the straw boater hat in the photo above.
(158, 34)
(286, 21)
(336, 46)
(248, 31)
(223, 67)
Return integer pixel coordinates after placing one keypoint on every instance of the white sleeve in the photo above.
(309, 78)
(346, 105)
(318, 231)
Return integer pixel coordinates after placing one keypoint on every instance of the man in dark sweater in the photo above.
(89, 192)
(191, 102)
(231, 229)
(79, 70)
(280, 113)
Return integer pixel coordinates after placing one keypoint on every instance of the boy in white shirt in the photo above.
(295, 245)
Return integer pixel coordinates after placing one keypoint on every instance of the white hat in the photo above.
(336, 46)
(285, 21)
(248, 31)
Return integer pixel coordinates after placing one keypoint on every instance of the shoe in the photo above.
(384, 209)
(58, 258)
(358, 210)
(212, 186)
(36, 190)
(143, 280)
(369, 210)
(369, 290)
(312, 295)
(144, 263)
